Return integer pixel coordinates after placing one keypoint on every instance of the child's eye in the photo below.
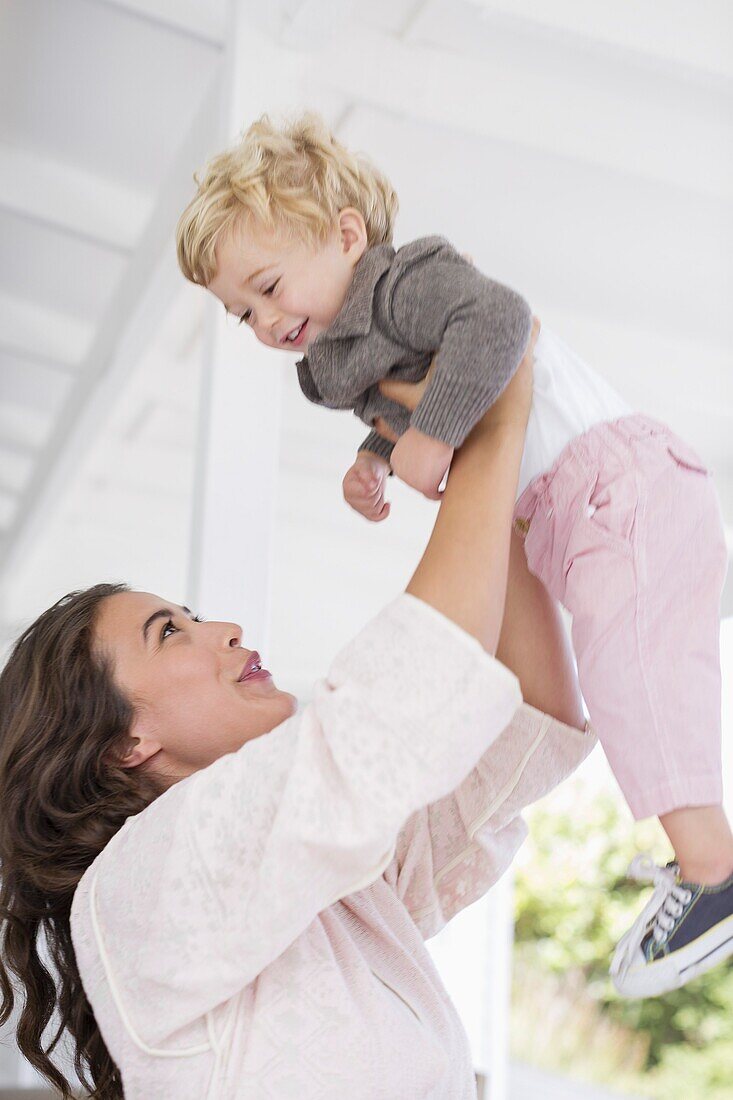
(244, 319)
(270, 289)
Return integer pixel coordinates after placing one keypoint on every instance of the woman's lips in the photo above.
(253, 670)
(261, 674)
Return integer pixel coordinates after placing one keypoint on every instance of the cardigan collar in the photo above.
(355, 316)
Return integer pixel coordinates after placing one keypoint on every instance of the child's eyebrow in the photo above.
(255, 274)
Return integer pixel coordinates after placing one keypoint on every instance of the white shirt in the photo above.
(569, 399)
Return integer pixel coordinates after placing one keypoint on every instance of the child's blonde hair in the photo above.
(294, 178)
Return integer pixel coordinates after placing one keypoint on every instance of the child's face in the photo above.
(287, 290)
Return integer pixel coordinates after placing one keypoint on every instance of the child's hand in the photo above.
(421, 461)
(364, 485)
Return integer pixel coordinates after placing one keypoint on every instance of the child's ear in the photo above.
(352, 229)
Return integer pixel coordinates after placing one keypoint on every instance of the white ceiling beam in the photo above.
(205, 20)
(23, 450)
(15, 468)
(40, 333)
(30, 382)
(510, 99)
(30, 358)
(24, 427)
(88, 206)
(150, 282)
(8, 508)
(520, 103)
(674, 33)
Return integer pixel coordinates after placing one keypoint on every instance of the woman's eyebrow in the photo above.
(161, 613)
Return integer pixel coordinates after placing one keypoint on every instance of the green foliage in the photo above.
(573, 903)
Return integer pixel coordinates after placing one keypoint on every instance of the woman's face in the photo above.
(183, 679)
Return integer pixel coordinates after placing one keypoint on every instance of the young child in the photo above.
(292, 232)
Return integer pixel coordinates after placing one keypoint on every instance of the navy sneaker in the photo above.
(684, 930)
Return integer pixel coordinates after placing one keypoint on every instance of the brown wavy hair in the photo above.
(63, 728)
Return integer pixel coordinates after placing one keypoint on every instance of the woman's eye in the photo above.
(170, 625)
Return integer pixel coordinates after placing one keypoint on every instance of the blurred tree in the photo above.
(573, 903)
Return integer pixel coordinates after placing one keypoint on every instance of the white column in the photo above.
(237, 470)
(237, 466)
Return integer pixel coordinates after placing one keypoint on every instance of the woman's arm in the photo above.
(533, 642)
(198, 894)
(463, 571)
(451, 852)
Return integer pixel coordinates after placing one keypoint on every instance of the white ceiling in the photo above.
(583, 153)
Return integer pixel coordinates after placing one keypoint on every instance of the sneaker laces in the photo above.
(659, 915)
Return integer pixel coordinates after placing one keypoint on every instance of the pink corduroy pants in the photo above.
(625, 531)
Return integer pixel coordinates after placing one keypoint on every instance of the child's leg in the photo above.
(702, 841)
(646, 631)
(535, 646)
(626, 531)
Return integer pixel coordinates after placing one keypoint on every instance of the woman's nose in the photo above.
(232, 635)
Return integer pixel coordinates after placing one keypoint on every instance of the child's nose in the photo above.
(269, 323)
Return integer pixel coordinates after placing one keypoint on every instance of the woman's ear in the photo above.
(138, 753)
(353, 232)
(140, 745)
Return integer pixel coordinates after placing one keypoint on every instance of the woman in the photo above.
(235, 896)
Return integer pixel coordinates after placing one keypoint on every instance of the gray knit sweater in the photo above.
(401, 308)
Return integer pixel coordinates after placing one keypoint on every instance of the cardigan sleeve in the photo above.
(450, 853)
(378, 445)
(479, 327)
(197, 894)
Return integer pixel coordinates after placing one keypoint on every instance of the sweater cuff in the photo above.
(451, 406)
(378, 445)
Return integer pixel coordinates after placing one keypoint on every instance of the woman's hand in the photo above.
(417, 459)
(421, 462)
(515, 402)
(513, 405)
(408, 394)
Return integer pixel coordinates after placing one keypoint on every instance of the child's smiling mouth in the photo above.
(296, 335)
